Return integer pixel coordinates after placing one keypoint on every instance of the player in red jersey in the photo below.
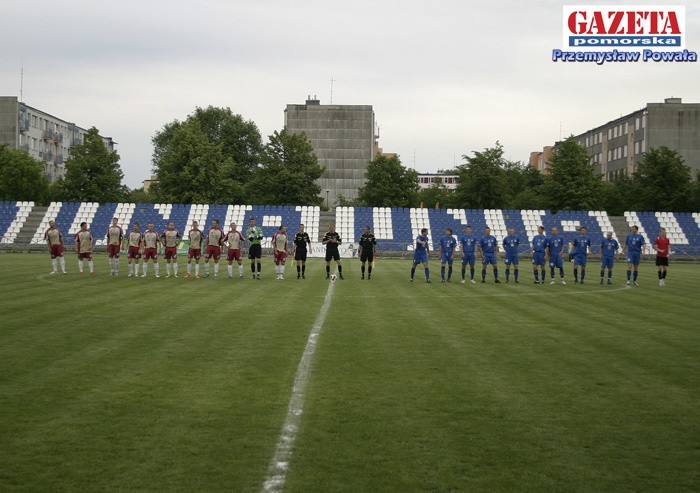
(235, 240)
(215, 237)
(83, 246)
(663, 247)
(135, 244)
(151, 243)
(115, 235)
(54, 240)
(195, 250)
(171, 237)
(279, 250)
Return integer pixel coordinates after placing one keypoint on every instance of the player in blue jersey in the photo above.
(448, 243)
(633, 246)
(510, 245)
(582, 246)
(539, 250)
(420, 254)
(555, 251)
(488, 246)
(608, 252)
(468, 243)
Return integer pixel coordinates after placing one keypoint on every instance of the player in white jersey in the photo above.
(171, 237)
(234, 240)
(83, 246)
(151, 244)
(115, 235)
(214, 242)
(54, 240)
(134, 246)
(279, 249)
(195, 251)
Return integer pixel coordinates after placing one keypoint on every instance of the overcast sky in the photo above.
(445, 78)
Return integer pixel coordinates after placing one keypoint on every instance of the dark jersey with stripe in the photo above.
(330, 246)
(367, 243)
(301, 240)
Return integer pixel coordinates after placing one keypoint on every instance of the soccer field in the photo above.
(172, 384)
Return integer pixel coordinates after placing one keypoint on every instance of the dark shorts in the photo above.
(332, 255)
(490, 258)
(213, 251)
(580, 259)
(85, 256)
(367, 256)
(634, 258)
(150, 253)
(113, 250)
(233, 254)
(538, 258)
(300, 255)
(607, 262)
(170, 253)
(280, 256)
(556, 262)
(469, 259)
(134, 252)
(662, 261)
(255, 251)
(195, 253)
(512, 259)
(56, 251)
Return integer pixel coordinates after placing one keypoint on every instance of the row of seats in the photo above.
(395, 228)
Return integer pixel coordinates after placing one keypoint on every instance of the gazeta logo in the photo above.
(601, 27)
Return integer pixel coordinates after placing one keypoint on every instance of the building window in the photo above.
(587, 142)
(610, 133)
(624, 151)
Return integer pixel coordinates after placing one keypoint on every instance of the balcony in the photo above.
(57, 137)
(48, 134)
(23, 125)
(77, 141)
(58, 159)
(48, 157)
(24, 147)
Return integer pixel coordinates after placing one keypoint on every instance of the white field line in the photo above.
(277, 470)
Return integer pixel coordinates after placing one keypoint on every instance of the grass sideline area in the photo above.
(172, 384)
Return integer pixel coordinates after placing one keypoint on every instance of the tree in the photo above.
(662, 182)
(619, 195)
(138, 195)
(288, 172)
(481, 182)
(209, 157)
(21, 176)
(436, 195)
(93, 172)
(389, 184)
(572, 183)
(522, 183)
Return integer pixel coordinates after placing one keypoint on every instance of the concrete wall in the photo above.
(676, 126)
(343, 140)
(8, 121)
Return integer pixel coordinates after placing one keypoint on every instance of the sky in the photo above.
(445, 78)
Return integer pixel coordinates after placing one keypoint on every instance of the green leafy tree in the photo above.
(21, 176)
(436, 195)
(93, 172)
(619, 195)
(522, 183)
(481, 180)
(662, 182)
(572, 183)
(208, 157)
(389, 184)
(194, 170)
(288, 172)
(138, 196)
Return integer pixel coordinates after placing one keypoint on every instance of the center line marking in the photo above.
(277, 470)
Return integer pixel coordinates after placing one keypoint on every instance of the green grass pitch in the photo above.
(183, 385)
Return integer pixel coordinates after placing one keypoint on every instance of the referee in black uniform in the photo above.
(332, 239)
(368, 246)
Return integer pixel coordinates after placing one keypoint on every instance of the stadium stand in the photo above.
(395, 228)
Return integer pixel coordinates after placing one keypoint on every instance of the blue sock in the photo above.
(629, 273)
(515, 274)
(449, 272)
(413, 271)
(507, 275)
(495, 274)
(471, 272)
(427, 273)
(442, 272)
(483, 274)
(636, 272)
(583, 274)
(537, 275)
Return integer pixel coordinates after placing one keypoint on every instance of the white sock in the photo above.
(196, 269)
(131, 268)
(240, 270)
(216, 269)
(157, 268)
(175, 268)
(80, 266)
(145, 268)
(189, 267)
(92, 266)
(277, 269)
(167, 268)
(282, 269)
(116, 265)
(63, 264)
(54, 262)
(206, 269)
(230, 270)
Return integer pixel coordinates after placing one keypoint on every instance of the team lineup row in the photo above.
(146, 246)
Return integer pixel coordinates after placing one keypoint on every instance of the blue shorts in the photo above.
(490, 258)
(556, 262)
(633, 257)
(512, 259)
(419, 258)
(446, 259)
(580, 259)
(469, 259)
(607, 262)
(538, 258)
